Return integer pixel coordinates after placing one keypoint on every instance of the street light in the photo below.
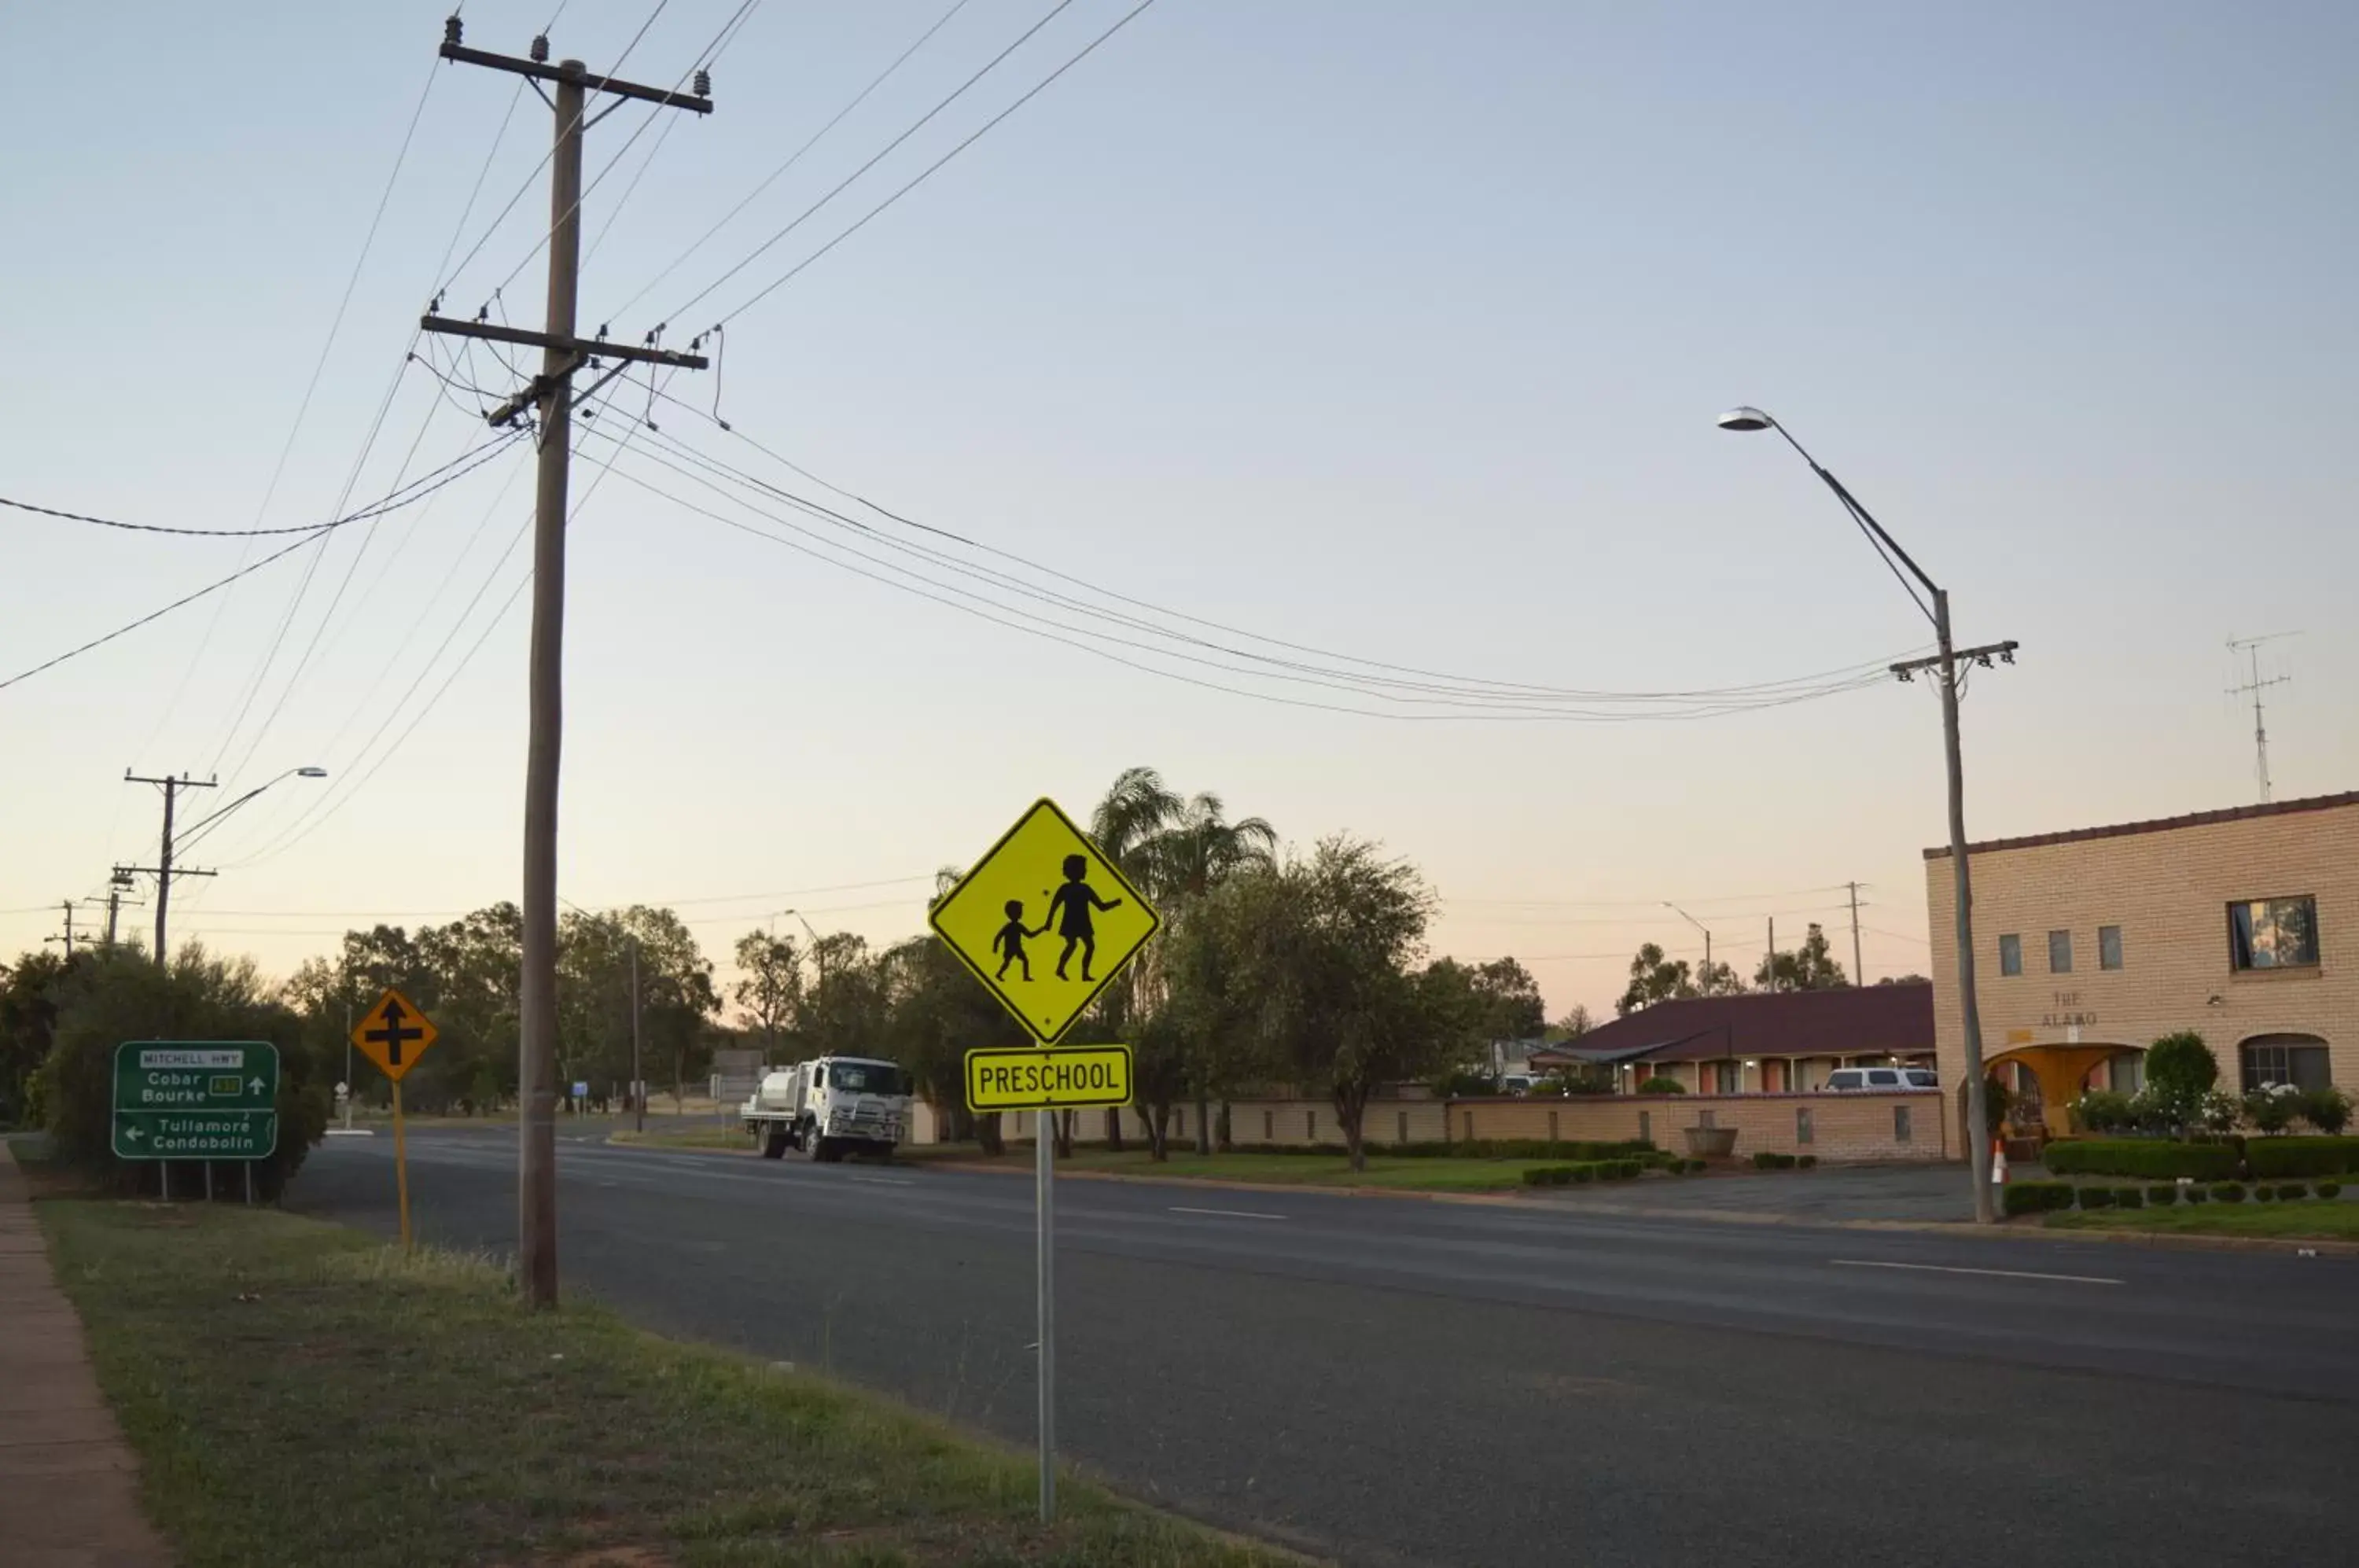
(1946, 662)
(175, 843)
(1698, 924)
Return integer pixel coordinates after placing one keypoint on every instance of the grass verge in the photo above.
(2329, 1221)
(1291, 1170)
(299, 1395)
(733, 1138)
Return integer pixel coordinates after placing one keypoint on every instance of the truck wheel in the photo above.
(774, 1144)
(814, 1146)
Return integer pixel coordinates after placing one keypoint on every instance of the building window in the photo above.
(1703, 1119)
(1551, 1126)
(1310, 1127)
(2273, 934)
(1900, 1124)
(1404, 1127)
(1269, 1127)
(1646, 1127)
(2010, 955)
(1802, 1131)
(2109, 947)
(2060, 952)
(1724, 1078)
(1470, 1127)
(2296, 1059)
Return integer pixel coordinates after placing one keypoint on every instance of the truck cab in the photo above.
(830, 1106)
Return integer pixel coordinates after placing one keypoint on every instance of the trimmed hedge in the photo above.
(1583, 1171)
(2273, 1156)
(2151, 1159)
(2198, 1195)
(2329, 1189)
(2229, 1191)
(1809, 1161)
(1770, 1160)
(2129, 1197)
(2096, 1197)
(2293, 1190)
(2264, 1193)
(2038, 1197)
(2163, 1197)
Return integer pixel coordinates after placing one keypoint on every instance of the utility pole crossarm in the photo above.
(541, 70)
(2002, 651)
(585, 352)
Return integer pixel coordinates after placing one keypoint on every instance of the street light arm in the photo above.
(197, 829)
(1886, 545)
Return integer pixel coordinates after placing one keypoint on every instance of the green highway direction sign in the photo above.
(205, 1099)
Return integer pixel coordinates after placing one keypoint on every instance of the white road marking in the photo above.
(882, 1181)
(1989, 1273)
(1227, 1214)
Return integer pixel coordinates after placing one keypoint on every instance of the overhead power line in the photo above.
(915, 126)
(791, 159)
(1453, 698)
(928, 172)
(418, 490)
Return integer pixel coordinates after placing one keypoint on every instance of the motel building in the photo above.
(2241, 925)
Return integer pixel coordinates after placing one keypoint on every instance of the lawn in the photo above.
(732, 1137)
(300, 1395)
(2327, 1219)
(1420, 1174)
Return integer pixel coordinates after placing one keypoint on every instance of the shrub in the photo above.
(2302, 1156)
(2102, 1110)
(2096, 1197)
(1769, 1159)
(1547, 1175)
(2140, 1156)
(1997, 1101)
(2329, 1189)
(2180, 1071)
(2229, 1191)
(1584, 1171)
(2264, 1193)
(2271, 1109)
(2198, 1195)
(2290, 1191)
(1694, 1166)
(2328, 1109)
(1660, 1085)
(2162, 1197)
(2129, 1198)
(125, 997)
(1808, 1160)
(2038, 1197)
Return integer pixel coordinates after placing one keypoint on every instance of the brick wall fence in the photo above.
(1833, 1126)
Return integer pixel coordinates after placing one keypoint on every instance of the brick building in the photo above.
(1770, 1042)
(2241, 925)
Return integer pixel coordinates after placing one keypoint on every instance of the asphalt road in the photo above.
(1391, 1381)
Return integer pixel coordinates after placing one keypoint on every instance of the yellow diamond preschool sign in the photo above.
(1045, 921)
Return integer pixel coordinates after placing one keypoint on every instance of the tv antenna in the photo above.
(2250, 647)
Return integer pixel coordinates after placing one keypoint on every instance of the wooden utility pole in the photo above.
(1858, 964)
(550, 396)
(163, 870)
(67, 938)
(638, 1084)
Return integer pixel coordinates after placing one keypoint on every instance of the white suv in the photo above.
(1847, 1079)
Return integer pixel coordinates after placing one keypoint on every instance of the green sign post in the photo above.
(196, 1099)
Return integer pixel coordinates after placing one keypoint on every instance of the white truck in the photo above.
(830, 1106)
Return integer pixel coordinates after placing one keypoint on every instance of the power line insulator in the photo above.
(704, 84)
(452, 28)
(541, 48)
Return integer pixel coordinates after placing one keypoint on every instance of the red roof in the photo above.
(1859, 1020)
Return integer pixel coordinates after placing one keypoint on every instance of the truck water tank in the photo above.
(778, 1090)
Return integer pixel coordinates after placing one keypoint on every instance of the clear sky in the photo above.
(1394, 330)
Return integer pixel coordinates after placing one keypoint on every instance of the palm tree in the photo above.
(1201, 849)
(1136, 810)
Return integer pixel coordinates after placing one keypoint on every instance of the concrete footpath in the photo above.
(69, 1485)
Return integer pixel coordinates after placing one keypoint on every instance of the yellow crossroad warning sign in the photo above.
(1048, 1078)
(1046, 922)
(394, 1034)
